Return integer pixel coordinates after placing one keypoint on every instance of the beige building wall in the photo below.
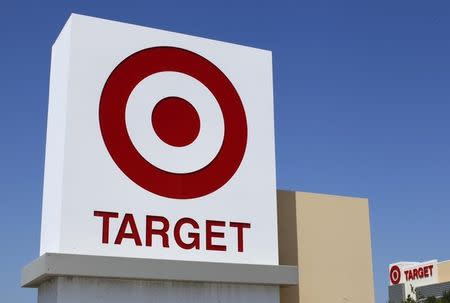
(444, 271)
(328, 237)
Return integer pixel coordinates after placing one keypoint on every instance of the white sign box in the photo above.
(159, 145)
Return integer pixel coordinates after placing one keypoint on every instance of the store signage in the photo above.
(159, 145)
(412, 275)
(395, 274)
(419, 273)
(412, 271)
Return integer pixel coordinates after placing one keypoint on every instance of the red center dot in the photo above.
(175, 121)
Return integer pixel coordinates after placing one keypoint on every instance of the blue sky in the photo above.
(362, 100)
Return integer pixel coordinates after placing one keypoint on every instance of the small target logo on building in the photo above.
(173, 122)
(395, 275)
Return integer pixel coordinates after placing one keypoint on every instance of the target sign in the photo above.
(395, 275)
(175, 121)
(159, 145)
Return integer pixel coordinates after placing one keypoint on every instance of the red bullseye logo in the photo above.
(175, 111)
(175, 121)
(395, 274)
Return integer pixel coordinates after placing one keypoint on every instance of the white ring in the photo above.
(138, 113)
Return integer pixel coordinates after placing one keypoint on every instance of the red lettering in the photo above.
(420, 270)
(415, 273)
(419, 273)
(186, 232)
(210, 234)
(194, 236)
(150, 231)
(240, 233)
(105, 226)
(128, 220)
(426, 272)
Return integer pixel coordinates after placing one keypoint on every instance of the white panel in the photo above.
(92, 181)
(54, 152)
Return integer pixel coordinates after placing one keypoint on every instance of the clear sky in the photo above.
(362, 100)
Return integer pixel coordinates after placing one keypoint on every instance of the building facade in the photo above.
(328, 238)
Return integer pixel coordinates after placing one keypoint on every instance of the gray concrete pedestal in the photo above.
(64, 278)
(95, 290)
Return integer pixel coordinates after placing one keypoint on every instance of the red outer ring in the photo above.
(113, 101)
(395, 268)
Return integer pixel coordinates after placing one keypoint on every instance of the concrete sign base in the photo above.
(90, 290)
(63, 278)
